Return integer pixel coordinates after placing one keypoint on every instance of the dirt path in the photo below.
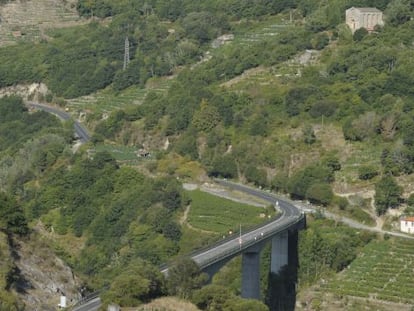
(369, 194)
(183, 221)
(184, 217)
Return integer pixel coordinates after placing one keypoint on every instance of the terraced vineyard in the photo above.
(27, 20)
(106, 100)
(267, 30)
(384, 271)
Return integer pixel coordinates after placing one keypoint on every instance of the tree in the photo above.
(187, 145)
(201, 26)
(363, 127)
(256, 175)
(184, 276)
(360, 34)
(318, 20)
(296, 97)
(211, 297)
(387, 194)
(389, 125)
(129, 76)
(367, 172)
(331, 161)
(308, 134)
(206, 118)
(410, 200)
(321, 108)
(320, 41)
(300, 182)
(398, 12)
(397, 160)
(320, 193)
(12, 218)
(138, 283)
(223, 166)
(11, 108)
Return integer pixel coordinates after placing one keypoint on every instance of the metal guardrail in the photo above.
(267, 197)
(220, 242)
(237, 250)
(90, 297)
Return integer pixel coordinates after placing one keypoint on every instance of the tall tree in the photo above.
(387, 194)
(184, 276)
(12, 218)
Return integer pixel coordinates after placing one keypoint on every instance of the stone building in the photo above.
(407, 224)
(366, 18)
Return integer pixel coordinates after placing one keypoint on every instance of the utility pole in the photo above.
(126, 54)
(240, 237)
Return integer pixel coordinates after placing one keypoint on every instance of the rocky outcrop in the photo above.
(33, 92)
(41, 276)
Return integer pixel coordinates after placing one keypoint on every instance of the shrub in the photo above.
(360, 34)
(255, 175)
(223, 166)
(322, 108)
(320, 193)
(367, 172)
(341, 202)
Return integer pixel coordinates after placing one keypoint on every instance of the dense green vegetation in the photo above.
(270, 129)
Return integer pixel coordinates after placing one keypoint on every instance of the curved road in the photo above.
(79, 129)
(290, 215)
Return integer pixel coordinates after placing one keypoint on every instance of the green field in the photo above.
(212, 213)
(384, 271)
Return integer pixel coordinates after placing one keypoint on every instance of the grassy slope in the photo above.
(221, 215)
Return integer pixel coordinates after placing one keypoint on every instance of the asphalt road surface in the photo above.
(79, 129)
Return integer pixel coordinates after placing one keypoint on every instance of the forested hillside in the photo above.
(293, 102)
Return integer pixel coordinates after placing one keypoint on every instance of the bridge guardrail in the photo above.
(268, 197)
(90, 297)
(223, 241)
(236, 250)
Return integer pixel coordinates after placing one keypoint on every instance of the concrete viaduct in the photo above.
(250, 243)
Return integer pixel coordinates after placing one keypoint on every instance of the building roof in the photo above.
(408, 219)
(366, 10)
